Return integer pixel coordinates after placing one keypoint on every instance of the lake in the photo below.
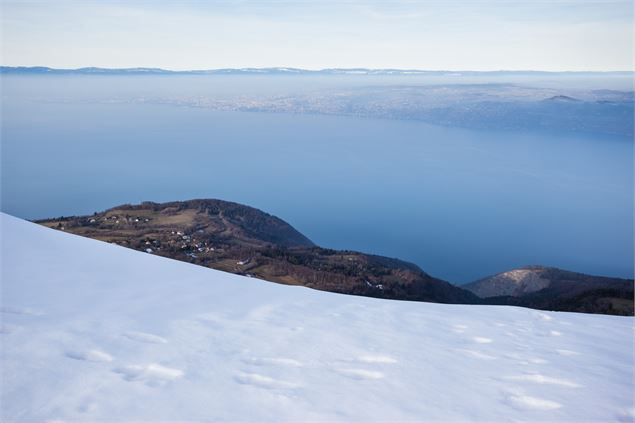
(462, 204)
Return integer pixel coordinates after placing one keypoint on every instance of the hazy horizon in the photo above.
(317, 69)
(586, 35)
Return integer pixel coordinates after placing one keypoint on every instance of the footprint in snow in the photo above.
(262, 381)
(376, 359)
(459, 328)
(147, 338)
(545, 380)
(568, 353)
(275, 361)
(544, 316)
(361, 374)
(476, 354)
(525, 402)
(152, 373)
(90, 355)
(482, 340)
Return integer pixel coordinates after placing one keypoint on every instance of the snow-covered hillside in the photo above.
(95, 331)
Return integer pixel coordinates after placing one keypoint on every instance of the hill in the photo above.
(243, 240)
(549, 288)
(96, 332)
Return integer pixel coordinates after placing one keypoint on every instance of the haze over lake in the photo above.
(461, 203)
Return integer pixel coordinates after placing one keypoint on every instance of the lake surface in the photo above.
(462, 204)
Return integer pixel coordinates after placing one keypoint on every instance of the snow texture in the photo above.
(93, 331)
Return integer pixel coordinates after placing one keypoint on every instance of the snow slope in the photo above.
(94, 331)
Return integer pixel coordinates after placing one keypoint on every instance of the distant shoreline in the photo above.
(43, 70)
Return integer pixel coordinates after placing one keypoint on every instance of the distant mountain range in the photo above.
(240, 239)
(41, 70)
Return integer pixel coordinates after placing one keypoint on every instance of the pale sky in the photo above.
(437, 35)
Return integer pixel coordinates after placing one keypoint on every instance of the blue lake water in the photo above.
(462, 204)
